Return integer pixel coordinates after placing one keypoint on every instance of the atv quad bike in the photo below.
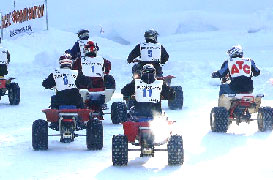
(176, 103)
(96, 97)
(67, 120)
(142, 132)
(7, 87)
(240, 108)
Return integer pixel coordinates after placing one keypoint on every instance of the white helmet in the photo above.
(235, 51)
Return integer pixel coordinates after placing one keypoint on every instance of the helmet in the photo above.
(90, 49)
(235, 51)
(65, 61)
(83, 34)
(148, 73)
(151, 35)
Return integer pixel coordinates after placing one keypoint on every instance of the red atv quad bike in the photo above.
(67, 120)
(7, 87)
(147, 133)
(119, 109)
(96, 96)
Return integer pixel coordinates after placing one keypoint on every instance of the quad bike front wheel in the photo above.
(265, 119)
(119, 150)
(94, 135)
(40, 135)
(219, 119)
(14, 93)
(175, 150)
(177, 102)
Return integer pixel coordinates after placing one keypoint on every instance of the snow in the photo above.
(196, 34)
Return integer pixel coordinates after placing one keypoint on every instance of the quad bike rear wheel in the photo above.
(40, 135)
(118, 112)
(175, 150)
(219, 119)
(177, 102)
(14, 93)
(94, 135)
(265, 119)
(119, 150)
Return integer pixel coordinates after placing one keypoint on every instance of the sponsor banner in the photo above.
(24, 20)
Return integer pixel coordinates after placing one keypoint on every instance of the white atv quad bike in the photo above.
(240, 108)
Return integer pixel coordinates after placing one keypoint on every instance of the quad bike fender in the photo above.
(167, 79)
(84, 94)
(53, 115)
(2, 83)
(131, 129)
(5, 82)
(108, 94)
(225, 100)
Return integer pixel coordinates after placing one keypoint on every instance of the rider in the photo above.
(66, 82)
(4, 61)
(240, 70)
(94, 66)
(77, 50)
(150, 52)
(148, 92)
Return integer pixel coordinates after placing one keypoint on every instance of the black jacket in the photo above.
(68, 96)
(136, 53)
(129, 90)
(147, 108)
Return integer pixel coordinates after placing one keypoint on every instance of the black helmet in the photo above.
(148, 74)
(151, 35)
(83, 34)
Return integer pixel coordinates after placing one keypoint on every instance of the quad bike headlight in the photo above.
(161, 129)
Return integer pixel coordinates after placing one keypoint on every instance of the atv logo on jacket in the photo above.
(148, 92)
(65, 79)
(239, 67)
(150, 51)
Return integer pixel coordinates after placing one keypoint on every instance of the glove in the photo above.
(215, 74)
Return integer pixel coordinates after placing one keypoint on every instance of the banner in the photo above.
(24, 20)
